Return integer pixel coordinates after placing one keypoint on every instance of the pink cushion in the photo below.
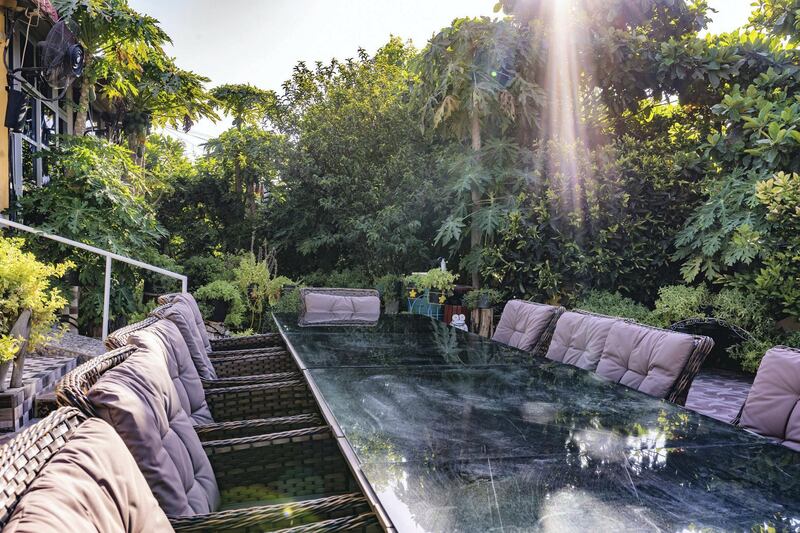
(772, 406)
(523, 323)
(138, 398)
(182, 315)
(189, 300)
(646, 359)
(579, 339)
(164, 337)
(318, 304)
(91, 484)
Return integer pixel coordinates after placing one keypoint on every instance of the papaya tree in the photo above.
(477, 81)
(117, 41)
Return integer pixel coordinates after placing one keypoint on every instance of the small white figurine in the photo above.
(459, 321)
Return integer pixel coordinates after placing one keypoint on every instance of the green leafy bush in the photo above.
(745, 310)
(614, 304)
(96, 196)
(25, 283)
(226, 291)
(679, 302)
(472, 298)
(346, 278)
(595, 219)
(387, 287)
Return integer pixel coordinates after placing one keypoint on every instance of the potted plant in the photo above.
(439, 284)
(482, 298)
(223, 300)
(389, 286)
(29, 306)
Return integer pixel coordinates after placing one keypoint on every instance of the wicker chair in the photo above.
(701, 346)
(261, 340)
(24, 458)
(538, 321)
(245, 367)
(772, 400)
(238, 411)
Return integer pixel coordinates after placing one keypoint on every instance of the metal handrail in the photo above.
(105, 253)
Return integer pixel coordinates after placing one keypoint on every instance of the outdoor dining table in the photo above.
(448, 431)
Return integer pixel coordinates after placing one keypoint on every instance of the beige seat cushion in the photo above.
(189, 300)
(164, 337)
(91, 484)
(318, 304)
(579, 339)
(523, 323)
(772, 407)
(138, 398)
(646, 359)
(180, 313)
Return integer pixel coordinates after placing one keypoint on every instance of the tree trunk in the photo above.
(21, 329)
(475, 193)
(82, 113)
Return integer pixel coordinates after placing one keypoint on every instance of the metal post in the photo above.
(184, 283)
(106, 297)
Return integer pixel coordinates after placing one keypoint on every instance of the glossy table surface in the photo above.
(452, 432)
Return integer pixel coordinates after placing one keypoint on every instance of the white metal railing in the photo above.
(105, 253)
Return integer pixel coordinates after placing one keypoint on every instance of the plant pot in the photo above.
(483, 302)
(392, 307)
(220, 310)
(433, 296)
(5, 366)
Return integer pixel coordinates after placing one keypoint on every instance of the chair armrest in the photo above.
(322, 514)
(256, 364)
(680, 390)
(270, 350)
(261, 400)
(249, 341)
(250, 380)
(249, 428)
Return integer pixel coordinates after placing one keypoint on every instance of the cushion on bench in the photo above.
(771, 408)
(164, 337)
(138, 398)
(579, 339)
(180, 313)
(643, 358)
(91, 484)
(523, 323)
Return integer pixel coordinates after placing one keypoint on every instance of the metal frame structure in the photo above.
(109, 258)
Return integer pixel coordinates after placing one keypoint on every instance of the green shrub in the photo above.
(203, 269)
(614, 304)
(679, 302)
(472, 298)
(222, 290)
(386, 286)
(743, 309)
(347, 278)
(26, 283)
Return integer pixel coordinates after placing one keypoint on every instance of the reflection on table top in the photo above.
(457, 433)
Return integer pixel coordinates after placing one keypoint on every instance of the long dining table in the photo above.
(447, 431)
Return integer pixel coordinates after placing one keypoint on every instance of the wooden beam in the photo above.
(5, 153)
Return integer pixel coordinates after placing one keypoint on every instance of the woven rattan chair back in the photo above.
(24, 457)
(167, 298)
(73, 388)
(119, 338)
(702, 346)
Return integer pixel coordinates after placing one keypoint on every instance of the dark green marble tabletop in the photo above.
(453, 432)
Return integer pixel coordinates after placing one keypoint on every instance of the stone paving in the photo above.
(718, 394)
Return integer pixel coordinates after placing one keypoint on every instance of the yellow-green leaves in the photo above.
(25, 284)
